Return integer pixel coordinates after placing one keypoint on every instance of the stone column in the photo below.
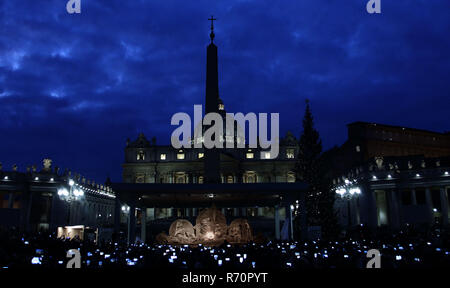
(429, 205)
(260, 211)
(117, 208)
(244, 212)
(277, 222)
(151, 214)
(368, 207)
(53, 210)
(25, 212)
(132, 223)
(413, 197)
(235, 212)
(444, 205)
(400, 207)
(11, 200)
(393, 207)
(143, 224)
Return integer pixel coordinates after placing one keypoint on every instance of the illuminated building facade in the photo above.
(147, 162)
(392, 176)
(46, 199)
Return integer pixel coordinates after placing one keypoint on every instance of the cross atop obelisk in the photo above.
(211, 35)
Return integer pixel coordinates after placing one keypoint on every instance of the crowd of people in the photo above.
(404, 249)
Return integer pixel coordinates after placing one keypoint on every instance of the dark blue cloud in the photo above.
(74, 87)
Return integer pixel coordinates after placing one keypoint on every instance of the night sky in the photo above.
(73, 88)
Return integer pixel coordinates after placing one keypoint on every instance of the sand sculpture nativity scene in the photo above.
(210, 229)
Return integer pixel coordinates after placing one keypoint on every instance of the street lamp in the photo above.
(73, 194)
(69, 195)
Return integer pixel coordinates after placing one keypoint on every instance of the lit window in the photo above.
(140, 179)
(140, 155)
(290, 153)
(251, 178)
(290, 177)
(200, 179)
(358, 149)
(180, 179)
(249, 155)
(266, 155)
(180, 156)
(230, 179)
(200, 155)
(162, 157)
(221, 106)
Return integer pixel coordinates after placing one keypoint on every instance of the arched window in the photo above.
(290, 153)
(180, 178)
(140, 178)
(180, 155)
(230, 179)
(250, 177)
(140, 155)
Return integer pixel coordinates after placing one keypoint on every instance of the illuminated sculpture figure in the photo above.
(47, 164)
(162, 238)
(239, 231)
(211, 225)
(181, 231)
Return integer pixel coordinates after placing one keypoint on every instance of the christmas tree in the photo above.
(311, 168)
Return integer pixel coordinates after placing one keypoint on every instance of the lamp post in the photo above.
(71, 195)
(126, 211)
(348, 192)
